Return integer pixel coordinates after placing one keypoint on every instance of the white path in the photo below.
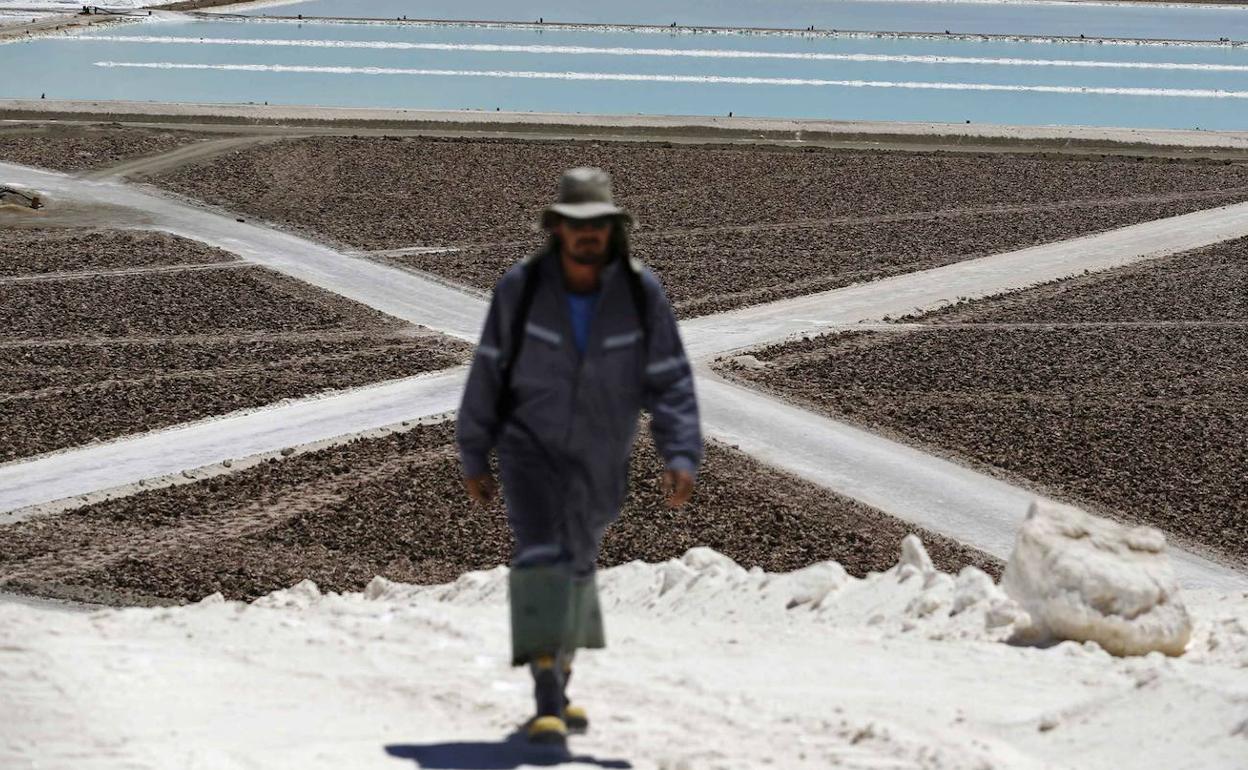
(195, 445)
(928, 289)
(967, 505)
(400, 293)
(973, 507)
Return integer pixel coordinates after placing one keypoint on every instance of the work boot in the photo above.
(574, 716)
(548, 726)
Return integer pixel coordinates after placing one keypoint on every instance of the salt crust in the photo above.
(1082, 611)
(903, 668)
(913, 596)
(1084, 578)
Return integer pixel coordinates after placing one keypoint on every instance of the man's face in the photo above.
(585, 240)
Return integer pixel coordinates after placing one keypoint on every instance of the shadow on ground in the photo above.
(513, 752)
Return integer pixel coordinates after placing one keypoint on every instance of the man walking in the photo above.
(579, 337)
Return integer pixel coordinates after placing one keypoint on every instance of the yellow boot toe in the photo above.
(576, 718)
(548, 730)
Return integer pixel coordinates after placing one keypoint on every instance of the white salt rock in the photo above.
(972, 587)
(476, 587)
(748, 361)
(914, 559)
(934, 598)
(925, 604)
(1087, 579)
(378, 588)
(1005, 613)
(1222, 639)
(703, 559)
(634, 584)
(907, 571)
(915, 555)
(674, 574)
(301, 595)
(806, 587)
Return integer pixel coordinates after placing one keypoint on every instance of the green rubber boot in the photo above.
(549, 725)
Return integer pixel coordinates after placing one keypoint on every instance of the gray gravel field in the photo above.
(1125, 391)
(95, 357)
(394, 506)
(85, 147)
(33, 252)
(246, 299)
(707, 272)
(723, 226)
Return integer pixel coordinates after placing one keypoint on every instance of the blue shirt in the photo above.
(581, 307)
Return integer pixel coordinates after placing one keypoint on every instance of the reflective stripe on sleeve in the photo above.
(667, 364)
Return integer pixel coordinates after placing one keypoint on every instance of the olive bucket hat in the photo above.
(584, 193)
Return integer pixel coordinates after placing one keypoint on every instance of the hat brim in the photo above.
(588, 210)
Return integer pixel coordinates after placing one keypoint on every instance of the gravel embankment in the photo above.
(380, 193)
(394, 506)
(87, 147)
(706, 272)
(1127, 391)
(55, 397)
(798, 214)
(94, 357)
(32, 252)
(243, 299)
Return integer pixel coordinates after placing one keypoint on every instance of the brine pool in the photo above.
(615, 70)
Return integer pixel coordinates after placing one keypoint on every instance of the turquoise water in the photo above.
(1134, 21)
(404, 66)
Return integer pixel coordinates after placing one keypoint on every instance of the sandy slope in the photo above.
(710, 666)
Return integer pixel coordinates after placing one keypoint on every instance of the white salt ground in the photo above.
(710, 666)
(13, 12)
(74, 6)
(8, 18)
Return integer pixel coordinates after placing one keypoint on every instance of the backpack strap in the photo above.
(640, 302)
(519, 321)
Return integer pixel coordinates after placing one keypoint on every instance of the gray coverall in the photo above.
(564, 448)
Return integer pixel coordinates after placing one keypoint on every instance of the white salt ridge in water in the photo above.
(695, 53)
(1211, 41)
(1194, 93)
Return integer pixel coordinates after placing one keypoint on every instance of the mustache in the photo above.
(589, 259)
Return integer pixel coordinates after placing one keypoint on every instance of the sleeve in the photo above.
(477, 423)
(669, 392)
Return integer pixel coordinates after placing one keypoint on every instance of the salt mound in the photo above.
(916, 598)
(911, 597)
(1220, 636)
(301, 595)
(1084, 578)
